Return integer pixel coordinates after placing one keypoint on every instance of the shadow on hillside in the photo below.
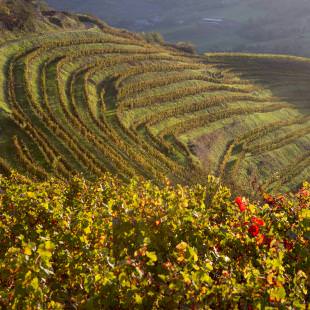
(286, 80)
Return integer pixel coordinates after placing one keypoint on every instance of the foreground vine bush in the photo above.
(110, 245)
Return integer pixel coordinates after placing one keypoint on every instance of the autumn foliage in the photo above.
(110, 245)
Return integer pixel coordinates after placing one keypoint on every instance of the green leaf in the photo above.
(206, 278)
(193, 254)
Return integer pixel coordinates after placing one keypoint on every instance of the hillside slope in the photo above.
(20, 18)
(101, 99)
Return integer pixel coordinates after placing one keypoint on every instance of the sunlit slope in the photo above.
(90, 101)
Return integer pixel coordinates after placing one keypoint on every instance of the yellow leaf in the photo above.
(204, 290)
(45, 205)
(28, 275)
(138, 299)
(196, 267)
(151, 255)
(49, 246)
(35, 283)
(30, 195)
(27, 251)
(84, 239)
(181, 246)
(87, 230)
(270, 278)
(102, 240)
(186, 278)
(260, 239)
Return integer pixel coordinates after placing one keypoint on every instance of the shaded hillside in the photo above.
(273, 26)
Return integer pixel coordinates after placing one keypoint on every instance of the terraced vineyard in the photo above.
(93, 101)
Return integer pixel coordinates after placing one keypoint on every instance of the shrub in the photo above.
(113, 245)
(153, 37)
(186, 47)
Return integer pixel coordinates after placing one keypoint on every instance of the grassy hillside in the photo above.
(101, 99)
(270, 26)
(110, 245)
